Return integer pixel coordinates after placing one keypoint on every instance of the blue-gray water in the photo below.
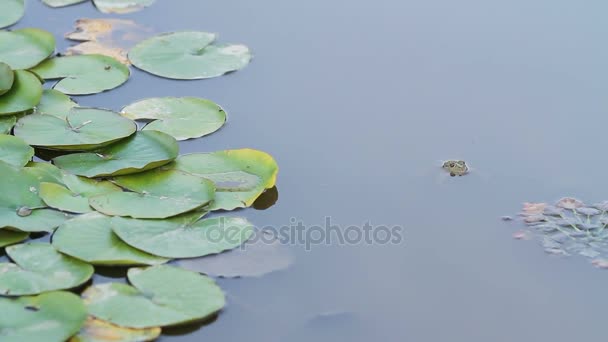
(358, 101)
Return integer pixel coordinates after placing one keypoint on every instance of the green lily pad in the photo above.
(25, 48)
(20, 206)
(9, 237)
(188, 55)
(11, 11)
(15, 151)
(240, 176)
(7, 123)
(84, 74)
(82, 129)
(155, 194)
(40, 268)
(183, 237)
(6, 78)
(44, 172)
(55, 103)
(142, 151)
(71, 193)
(53, 316)
(121, 6)
(181, 117)
(90, 238)
(160, 296)
(96, 330)
(61, 3)
(24, 95)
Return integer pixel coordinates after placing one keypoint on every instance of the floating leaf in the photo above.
(96, 330)
(188, 55)
(53, 316)
(181, 117)
(183, 237)
(59, 197)
(55, 103)
(11, 11)
(7, 123)
(82, 129)
(90, 238)
(44, 172)
(240, 176)
(260, 256)
(6, 78)
(61, 3)
(40, 268)
(85, 74)
(142, 151)
(15, 151)
(20, 206)
(121, 6)
(25, 48)
(155, 194)
(24, 95)
(8, 237)
(160, 296)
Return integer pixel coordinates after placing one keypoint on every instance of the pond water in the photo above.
(359, 101)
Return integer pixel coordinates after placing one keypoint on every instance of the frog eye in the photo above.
(452, 164)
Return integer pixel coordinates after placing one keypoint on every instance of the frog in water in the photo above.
(456, 167)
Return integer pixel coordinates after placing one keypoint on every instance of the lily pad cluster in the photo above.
(569, 227)
(111, 189)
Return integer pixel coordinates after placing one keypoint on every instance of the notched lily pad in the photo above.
(188, 55)
(11, 11)
(155, 194)
(90, 238)
(160, 296)
(53, 316)
(25, 48)
(181, 117)
(185, 236)
(84, 74)
(140, 152)
(40, 268)
(23, 96)
(15, 151)
(96, 330)
(82, 129)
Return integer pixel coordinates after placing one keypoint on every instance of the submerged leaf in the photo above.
(25, 48)
(90, 238)
(96, 330)
(15, 151)
(142, 151)
(188, 55)
(24, 95)
(121, 6)
(85, 74)
(11, 11)
(53, 316)
(160, 296)
(40, 268)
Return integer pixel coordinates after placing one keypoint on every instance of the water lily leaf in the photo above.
(160, 296)
(53, 316)
(183, 118)
(61, 3)
(15, 151)
(82, 129)
(20, 206)
(6, 78)
(183, 237)
(24, 95)
(90, 238)
(142, 151)
(59, 197)
(121, 6)
(9, 237)
(85, 74)
(25, 48)
(55, 103)
(44, 172)
(40, 268)
(96, 330)
(188, 55)
(7, 123)
(259, 256)
(155, 194)
(11, 11)
(240, 176)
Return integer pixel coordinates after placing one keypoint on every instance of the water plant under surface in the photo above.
(113, 194)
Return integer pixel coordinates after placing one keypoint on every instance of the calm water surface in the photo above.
(358, 101)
